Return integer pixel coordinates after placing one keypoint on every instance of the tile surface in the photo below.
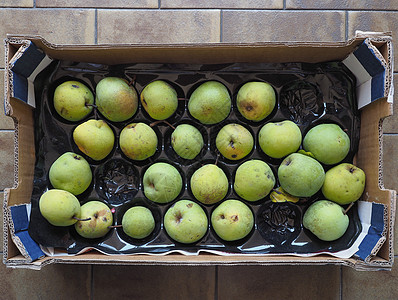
(261, 4)
(67, 26)
(258, 26)
(99, 3)
(390, 161)
(279, 282)
(153, 282)
(6, 159)
(16, 3)
(156, 26)
(374, 21)
(369, 285)
(52, 282)
(342, 4)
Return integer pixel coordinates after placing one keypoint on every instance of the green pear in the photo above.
(301, 175)
(209, 184)
(116, 100)
(326, 220)
(187, 141)
(234, 141)
(185, 222)
(328, 143)
(162, 183)
(344, 183)
(138, 222)
(256, 100)
(96, 218)
(232, 220)
(254, 180)
(59, 207)
(94, 138)
(138, 141)
(73, 100)
(210, 103)
(159, 99)
(70, 172)
(280, 138)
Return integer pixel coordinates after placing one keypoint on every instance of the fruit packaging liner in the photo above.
(308, 94)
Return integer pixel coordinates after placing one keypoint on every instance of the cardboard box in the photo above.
(368, 56)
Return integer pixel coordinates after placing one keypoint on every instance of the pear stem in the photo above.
(115, 226)
(76, 218)
(132, 82)
(92, 105)
(161, 121)
(218, 155)
(348, 208)
(182, 99)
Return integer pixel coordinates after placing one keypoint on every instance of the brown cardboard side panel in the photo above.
(24, 152)
(369, 158)
(215, 53)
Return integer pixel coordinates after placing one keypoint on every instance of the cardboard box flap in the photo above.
(373, 218)
(25, 65)
(18, 224)
(370, 70)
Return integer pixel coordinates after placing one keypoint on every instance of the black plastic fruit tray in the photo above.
(308, 94)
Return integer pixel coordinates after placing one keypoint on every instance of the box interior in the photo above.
(368, 157)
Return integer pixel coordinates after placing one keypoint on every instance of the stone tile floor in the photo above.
(181, 21)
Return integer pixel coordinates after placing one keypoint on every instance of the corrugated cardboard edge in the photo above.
(20, 261)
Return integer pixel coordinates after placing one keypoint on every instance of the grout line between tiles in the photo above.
(346, 25)
(221, 25)
(209, 8)
(96, 27)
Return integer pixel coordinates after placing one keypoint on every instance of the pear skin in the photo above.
(59, 207)
(159, 99)
(256, 100)
(209, 184)
(210, 103)
(115, 99)
(70, 172)
(73, 100)
(94, 138)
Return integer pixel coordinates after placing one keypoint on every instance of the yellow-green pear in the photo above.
(209, 184)
(162, 182)
(326, 219)
(96, 217)
(70, 172)
(138, 222)
(328, 143)
(210, 103)
(232, 220)
(187, 141)
(234, 141)
(344, 183)
(115, 99)
(254, 180)
(256, 100)
(159, 99)
(301, 175)
(94, 138)
(59, 207)
(138, 141)
(278, 139)
(185, 222)
(73, 100)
